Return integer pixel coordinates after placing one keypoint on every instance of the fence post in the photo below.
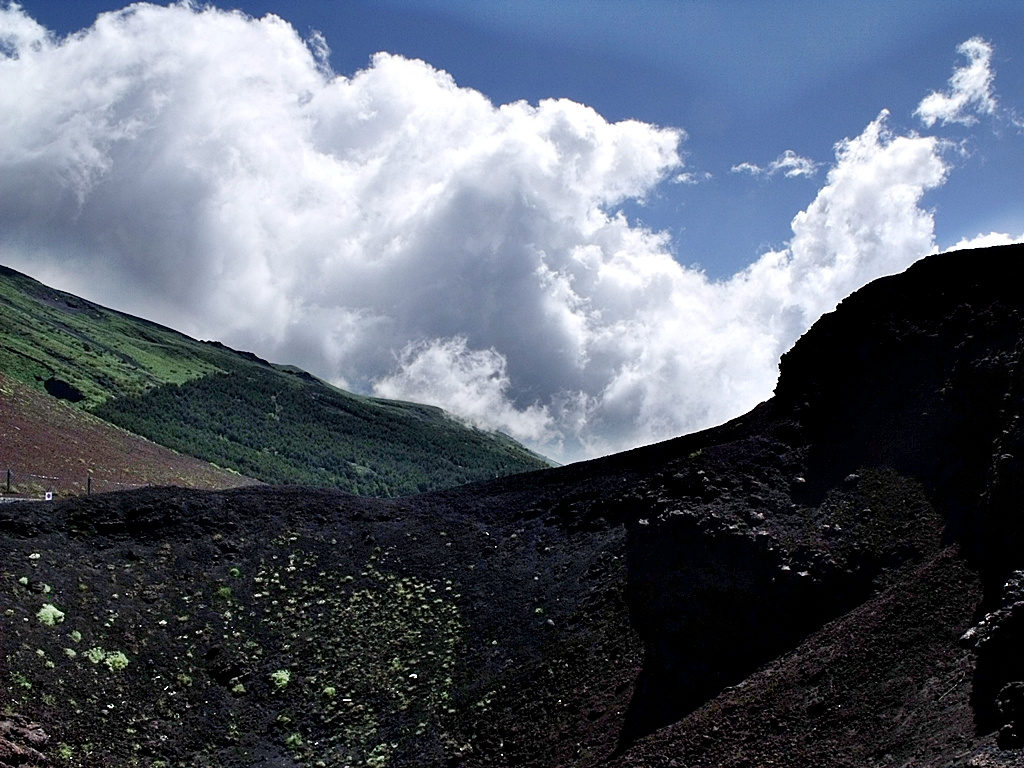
(88, 486)
(8, 481)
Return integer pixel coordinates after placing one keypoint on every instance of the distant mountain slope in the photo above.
(47, 335)
(49, 445)
(274, 423)
(290, 429)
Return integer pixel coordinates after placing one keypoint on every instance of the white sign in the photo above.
(49, 496)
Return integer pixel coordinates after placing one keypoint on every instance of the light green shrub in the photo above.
(281, 678)
(115, 661)
(50, 614)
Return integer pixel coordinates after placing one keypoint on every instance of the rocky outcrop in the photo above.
(921, 372)
(20, 743)
(895, 430)
(999, 678)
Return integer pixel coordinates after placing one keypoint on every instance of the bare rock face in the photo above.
(921, 372)
(20, 743)
(895, 430)
(999, 681)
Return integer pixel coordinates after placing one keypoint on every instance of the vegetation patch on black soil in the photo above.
(287, 627)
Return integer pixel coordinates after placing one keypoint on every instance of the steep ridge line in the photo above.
(895, 430)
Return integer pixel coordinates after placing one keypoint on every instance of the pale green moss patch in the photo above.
(115, 661)
(50, 615)
(280, 678)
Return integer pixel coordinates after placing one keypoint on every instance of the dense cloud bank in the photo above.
(400, 235)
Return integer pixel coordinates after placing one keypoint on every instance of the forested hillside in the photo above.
(273, 423)
(289, 429)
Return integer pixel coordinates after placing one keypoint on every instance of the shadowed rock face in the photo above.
(718, 588)
(19, 740)
(998, 694)
(831, 580)
(895, 430)
(62, 390)
(922, 372)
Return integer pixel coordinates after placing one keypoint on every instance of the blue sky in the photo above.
(517, 326)
(745, 80)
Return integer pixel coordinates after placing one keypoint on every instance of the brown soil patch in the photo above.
(50, 445)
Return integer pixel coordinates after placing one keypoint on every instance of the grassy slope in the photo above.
(269, 422)
(104, 354)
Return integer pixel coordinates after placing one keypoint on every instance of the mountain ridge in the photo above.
(274, 423)
(833, 579)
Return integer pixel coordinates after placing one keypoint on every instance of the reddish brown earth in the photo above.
(50, 445)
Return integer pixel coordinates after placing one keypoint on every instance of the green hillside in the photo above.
(272, 423)
(48, 334)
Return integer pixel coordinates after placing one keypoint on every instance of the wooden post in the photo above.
(8, 481)
(88, 486)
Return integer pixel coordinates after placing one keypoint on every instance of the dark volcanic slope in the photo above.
(269, 627)
(894, 433)
(835, 579)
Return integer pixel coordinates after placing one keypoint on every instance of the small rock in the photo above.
(1010, 703)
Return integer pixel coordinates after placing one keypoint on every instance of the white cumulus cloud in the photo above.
(690, 178)
(789, 163)
(446, 371)
(970, 89)
(986, 241)
(398, 234)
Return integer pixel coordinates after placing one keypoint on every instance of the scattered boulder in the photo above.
(20, 743)
(999, 677)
